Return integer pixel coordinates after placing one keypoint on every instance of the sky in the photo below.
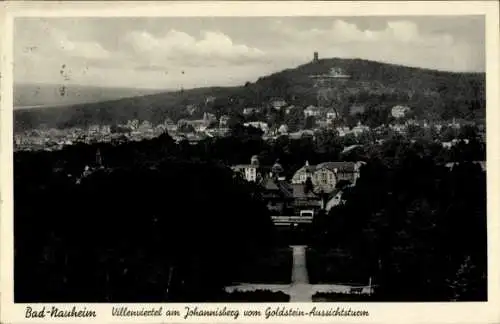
(188, 52)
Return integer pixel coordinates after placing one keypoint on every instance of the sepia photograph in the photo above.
(276, 159)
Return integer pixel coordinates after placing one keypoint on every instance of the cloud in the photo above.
(44, 52)
(180, 46)
(126, 52)
(341, 32)
(86, 50)
(400, 42)
(47, 40)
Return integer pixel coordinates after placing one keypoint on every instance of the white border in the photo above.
(379, 312)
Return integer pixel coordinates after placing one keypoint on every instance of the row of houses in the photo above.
(312, 187)
(329, 113)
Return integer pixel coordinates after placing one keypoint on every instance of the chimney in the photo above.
(316, 57)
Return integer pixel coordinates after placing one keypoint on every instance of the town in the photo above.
(330, 196)
(209, 126)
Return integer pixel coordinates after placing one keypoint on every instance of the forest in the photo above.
(158, 221)
(419, 233)
(137, 232)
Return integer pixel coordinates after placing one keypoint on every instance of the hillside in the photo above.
(433, 94)
(31, 95)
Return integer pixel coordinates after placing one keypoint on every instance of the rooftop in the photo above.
(299, 192)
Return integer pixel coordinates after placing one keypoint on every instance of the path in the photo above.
(300, 290)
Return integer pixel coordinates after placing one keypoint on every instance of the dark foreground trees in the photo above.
(146, 229)
(159, 223)
(416, 227)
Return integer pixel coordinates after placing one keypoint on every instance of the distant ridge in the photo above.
(32, 95)
(430, 92)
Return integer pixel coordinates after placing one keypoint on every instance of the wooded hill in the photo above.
(432, 95)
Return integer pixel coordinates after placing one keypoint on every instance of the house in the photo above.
(106, 129)
(274, 196)
(258, 124)
(249, 171)
(301, 133)
(289, 109)
(217, 132)
(399, 128)
(412, 122)
(160, 128)
(359, 129)
(399, 111)
(303, 173)
(94, 129)
(209, 117)
(250, 110)
(331, 114)
(278, 195)
(199, 125)
(171, 128)
(334, 199)
(191, 109)
(356, 109)
(283, 129)
(209, 100)
(304, 199)
(132, 124)
(342, 171)
(325, 176)
(194, 139)
(323, 123)
(223, 121)
(98, 164)
(342, 131)
(277, 171)
(145, 127)
(255, 172)
(337, 72)
(278, 103)
(168, 121)
(334, 74)
(311, 111)
(454, 124)
(223, 131)
(349, 148)
(323, 179)
(328, 174)
(482, 164)
(454, 142)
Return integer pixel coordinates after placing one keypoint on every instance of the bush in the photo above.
(335, 266)
(336, 297)
(149, 229)
(258, 296)
(273, 266)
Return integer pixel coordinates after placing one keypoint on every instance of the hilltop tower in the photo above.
(316, 57)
